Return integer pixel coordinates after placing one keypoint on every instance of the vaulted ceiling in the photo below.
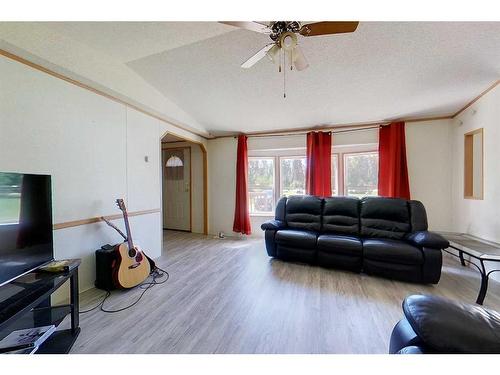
(384, 70)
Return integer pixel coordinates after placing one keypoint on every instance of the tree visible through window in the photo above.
(261, 185)
(292, 176)
(361, 174)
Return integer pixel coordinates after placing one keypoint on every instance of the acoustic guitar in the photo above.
(132, 267)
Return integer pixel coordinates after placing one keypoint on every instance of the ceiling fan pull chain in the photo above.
(291, 59)
(279, 68)
(284, 74)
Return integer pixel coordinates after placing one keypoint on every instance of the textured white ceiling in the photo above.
(126, 41)
(382, 71)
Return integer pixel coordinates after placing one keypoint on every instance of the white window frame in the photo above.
(340, 179)
(278, 154)
(276, 176)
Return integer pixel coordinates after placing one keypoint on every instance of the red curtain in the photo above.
(241, 215)
(319, 164)
(392, 168)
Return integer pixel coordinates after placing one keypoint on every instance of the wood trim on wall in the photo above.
(495, 84)
(354, 126)
(92, 220)
(95, 91)
(205, 190)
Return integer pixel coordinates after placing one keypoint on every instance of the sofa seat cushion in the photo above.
(346, 245)
(296, 238)
(392, 251)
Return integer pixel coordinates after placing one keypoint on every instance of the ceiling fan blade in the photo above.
(259, 27)
(257, 57)
(327, 27)
(299, 59)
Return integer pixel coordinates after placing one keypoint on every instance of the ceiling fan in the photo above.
(284, 36)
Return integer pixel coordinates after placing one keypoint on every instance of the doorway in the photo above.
(184, 185)
(177, 188)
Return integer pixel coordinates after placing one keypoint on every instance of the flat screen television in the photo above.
(25, 223)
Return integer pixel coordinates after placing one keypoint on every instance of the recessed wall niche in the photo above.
(473, 164)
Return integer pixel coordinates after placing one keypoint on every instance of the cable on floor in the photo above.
(156, 274)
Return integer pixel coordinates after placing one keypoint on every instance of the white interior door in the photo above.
(177, 189)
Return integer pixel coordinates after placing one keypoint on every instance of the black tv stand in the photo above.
(25, 303)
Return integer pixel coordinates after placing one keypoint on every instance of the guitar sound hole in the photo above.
(132, 253)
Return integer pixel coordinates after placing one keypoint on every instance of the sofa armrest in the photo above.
(431, 269)
(449, 326)
(428, 239)
(273, 225)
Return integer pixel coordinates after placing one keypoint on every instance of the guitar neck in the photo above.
(127, 228)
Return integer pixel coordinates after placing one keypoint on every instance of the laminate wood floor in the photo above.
(228, 296)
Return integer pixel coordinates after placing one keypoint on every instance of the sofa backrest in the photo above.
(369, 217)
(341, 215)
(385, 217)
(303, 212)
(280, 209)
(418, 216)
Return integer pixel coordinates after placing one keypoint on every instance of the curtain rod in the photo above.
(305, 132)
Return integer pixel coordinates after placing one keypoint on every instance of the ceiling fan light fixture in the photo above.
(299, 60)
(288, 41)
(273, 53)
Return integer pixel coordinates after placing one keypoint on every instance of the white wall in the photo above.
(428, 152)
(38, 43)
(478, 217)
(429, 160)
(221, 184)
(196, 183)
(93, 147)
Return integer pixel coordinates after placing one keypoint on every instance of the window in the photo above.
(274, 173)
(261, 184)
(292, 176)
(361, 174)
(335, 174)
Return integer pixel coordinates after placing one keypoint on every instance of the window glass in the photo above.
(261, 185)
(361, 174)
(335, 174)
(353, 173)
(292, 176)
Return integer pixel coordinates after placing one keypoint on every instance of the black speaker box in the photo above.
(105, 258)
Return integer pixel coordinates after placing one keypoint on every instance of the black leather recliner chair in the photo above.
(438, 325)
(380, 236)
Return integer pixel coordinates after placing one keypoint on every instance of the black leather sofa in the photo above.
(438, 325)
(380, 236)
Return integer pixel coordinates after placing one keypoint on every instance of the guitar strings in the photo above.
(146, 285)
